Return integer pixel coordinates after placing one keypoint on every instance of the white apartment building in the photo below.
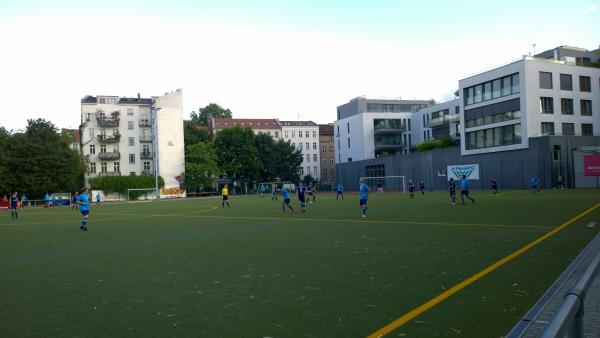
(304, 135)
(121, 137)
(369, 128)
(501, 109)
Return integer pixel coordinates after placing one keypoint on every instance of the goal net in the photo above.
(385, 183)
(141, 194)
(268, 187)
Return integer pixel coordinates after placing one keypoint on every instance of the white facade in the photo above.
(304, 135)
(442, 118)
(117, 136)
(510, 100)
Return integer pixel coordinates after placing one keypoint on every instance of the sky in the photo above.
(265, 59)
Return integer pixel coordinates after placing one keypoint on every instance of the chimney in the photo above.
(556, 54)
(138, 96)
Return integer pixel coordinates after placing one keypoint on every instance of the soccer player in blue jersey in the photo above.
(495, 187)
(286, 200)
(464, 190)
(363, 194)
(411, 189)
(534, 182)
(14, 205)
(340, 191)
(301, 191)
(84, 207)
(23, 201)
(452, 190)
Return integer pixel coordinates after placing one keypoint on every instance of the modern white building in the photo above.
(304, 135)
(501, 109)
(369, 128)
(120, 136)
(437, 121)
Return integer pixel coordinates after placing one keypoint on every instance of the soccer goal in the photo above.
(387, 183)
(269, 187)
(141, 194)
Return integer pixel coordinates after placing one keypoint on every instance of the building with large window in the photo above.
(438, 121)
(304, 135)
(370, 128)
(121, 136)
(504, 107)
(327, 153)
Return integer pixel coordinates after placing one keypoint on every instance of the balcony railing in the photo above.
(442, 121)
(389, 146)
(147, 173)
(109, 138)
(145, 123)
(110, 173)
(113, 155)
(145, 155)
(145, 138)
(107, 122)
(381, 129)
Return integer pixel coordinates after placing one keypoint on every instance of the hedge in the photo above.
(120, 184)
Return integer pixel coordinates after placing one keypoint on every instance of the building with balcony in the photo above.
(438, 121)
(327, 155)
(304, 135)
(120, 136)
(370, 128)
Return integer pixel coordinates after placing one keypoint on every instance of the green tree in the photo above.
(236, 153)
(200, 166)
(287, 160)
(40, 160)
(193, 133)
(213, 109)
(5, 179)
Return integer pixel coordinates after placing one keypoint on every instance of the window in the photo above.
(103, 167)
(468, 96)
(314, 145)
(307, 145)
(293, 133)
(315, 158)
(301, 170)
(585, 84)
(147, 165)
(409, 140)
(516, 86)
(494, 137)
(131, 141)
(478, 93)
(129, 111)
(116, 167)
(566, 82)
(547, 128)
(308, 170)
(496, 89)
(547, 105)
(276, 134)
(545, 80)
(314, 133)
(348, 127)
(307, 158)
(348, 142)
(487, 91)
(587, 129)
(568, 129)
(92, 167)
(338, 129)
(92, 149)
(301, 145)
(286, 134)
(131, 158)
(102, 149)
(506, 87)
(566, 106)
(300, 134)
(408, 125)
(146, 149)
(586, 107)
(424, 135)
(306, 134)
(129, 125)
(315, 170)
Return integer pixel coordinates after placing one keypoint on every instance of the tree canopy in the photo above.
(201, 118)
(200, 166)
(236, 153)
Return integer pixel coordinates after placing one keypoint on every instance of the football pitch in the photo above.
(414, 268)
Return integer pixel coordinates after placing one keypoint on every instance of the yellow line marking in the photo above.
(444, 295)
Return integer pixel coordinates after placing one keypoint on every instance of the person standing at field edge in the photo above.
(225, 194)
(340, 191)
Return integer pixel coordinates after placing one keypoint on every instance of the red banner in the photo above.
(591, 165)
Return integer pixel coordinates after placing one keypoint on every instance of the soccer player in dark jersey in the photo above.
(74, 201)
(14, 205)
(301, 197)
(422, 186)
(495, 187)
(452, 190)
(411, 189)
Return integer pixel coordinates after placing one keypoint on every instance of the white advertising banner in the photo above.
(471, 171)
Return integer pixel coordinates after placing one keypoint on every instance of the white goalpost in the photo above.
(388, 183)
(141, 194)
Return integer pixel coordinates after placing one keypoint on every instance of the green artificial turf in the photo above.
(188, 268)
